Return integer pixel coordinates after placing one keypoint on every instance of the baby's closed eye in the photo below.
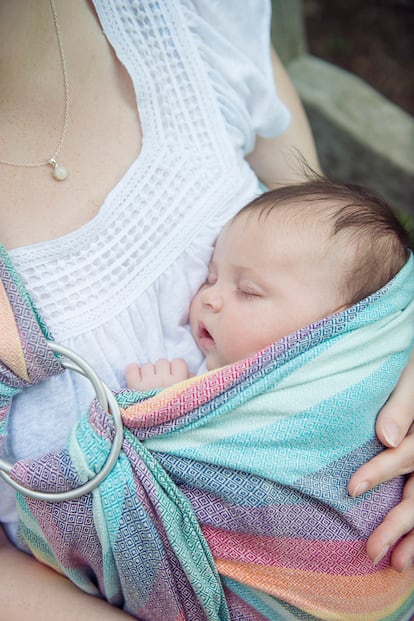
(249, 290)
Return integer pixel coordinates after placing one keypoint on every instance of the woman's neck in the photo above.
(27, 33)
(28, 40)
(32, 84)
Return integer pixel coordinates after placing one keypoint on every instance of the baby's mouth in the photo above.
(205, 339)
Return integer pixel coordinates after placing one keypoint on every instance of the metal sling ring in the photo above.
(107, 400)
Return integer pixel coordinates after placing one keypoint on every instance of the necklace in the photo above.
(59, 172)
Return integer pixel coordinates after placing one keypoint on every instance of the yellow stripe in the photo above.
(11, 352)
(330, 597)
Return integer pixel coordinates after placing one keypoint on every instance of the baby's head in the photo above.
(291, 257)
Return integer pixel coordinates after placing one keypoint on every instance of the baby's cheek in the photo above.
(193, 317)
(234, 348)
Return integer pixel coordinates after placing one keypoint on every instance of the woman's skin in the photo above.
(31, 117)
(30, 590)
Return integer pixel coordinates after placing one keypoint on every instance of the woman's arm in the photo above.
(395, 429)
(277, 161)
(30, 590)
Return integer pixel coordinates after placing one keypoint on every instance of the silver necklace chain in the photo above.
(59, 172)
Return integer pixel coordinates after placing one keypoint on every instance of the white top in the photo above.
(118, 289)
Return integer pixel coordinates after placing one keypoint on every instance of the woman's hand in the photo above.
(395, 429)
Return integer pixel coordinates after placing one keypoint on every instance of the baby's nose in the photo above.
(212, 297)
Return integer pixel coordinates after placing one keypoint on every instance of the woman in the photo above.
(152, 124)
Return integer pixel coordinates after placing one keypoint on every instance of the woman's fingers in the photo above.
(397, 415)
(395, 428)
(385, 466)
(398, 522)
(403, 556)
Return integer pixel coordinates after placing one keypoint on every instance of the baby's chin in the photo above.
(212, 362)
(215, 362)
(210, 366)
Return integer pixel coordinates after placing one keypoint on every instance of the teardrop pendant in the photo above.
(59, 172)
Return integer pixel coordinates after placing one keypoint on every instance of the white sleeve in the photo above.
(233, 37)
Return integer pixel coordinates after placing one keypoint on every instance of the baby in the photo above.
(289, 258)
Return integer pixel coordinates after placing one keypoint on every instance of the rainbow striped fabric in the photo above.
(228, 500)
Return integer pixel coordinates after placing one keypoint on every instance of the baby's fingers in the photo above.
(133, 376)
(179, 370)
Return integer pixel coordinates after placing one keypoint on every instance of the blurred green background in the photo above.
(374, 39)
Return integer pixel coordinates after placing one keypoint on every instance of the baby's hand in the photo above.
(159, 375)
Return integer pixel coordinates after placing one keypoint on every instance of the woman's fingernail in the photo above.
(392, 433)
(381, 555)
(361, 488)
(408, 565)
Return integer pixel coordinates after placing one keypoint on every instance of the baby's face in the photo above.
(266, 280)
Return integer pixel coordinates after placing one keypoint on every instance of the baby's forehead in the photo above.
(316, 217)
(277, 234)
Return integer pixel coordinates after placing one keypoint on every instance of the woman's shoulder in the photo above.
(234, 43)
(234, 37)
(239, 24)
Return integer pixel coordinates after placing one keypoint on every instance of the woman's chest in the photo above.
(103, 138)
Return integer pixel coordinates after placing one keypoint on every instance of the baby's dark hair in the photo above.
(354, 214)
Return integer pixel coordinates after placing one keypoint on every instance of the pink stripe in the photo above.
(174, 403)
(327, 557)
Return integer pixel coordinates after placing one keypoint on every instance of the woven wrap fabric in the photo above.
(228, 500)
(25, 358)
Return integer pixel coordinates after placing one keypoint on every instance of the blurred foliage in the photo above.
(408, 224)
(371, 38)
